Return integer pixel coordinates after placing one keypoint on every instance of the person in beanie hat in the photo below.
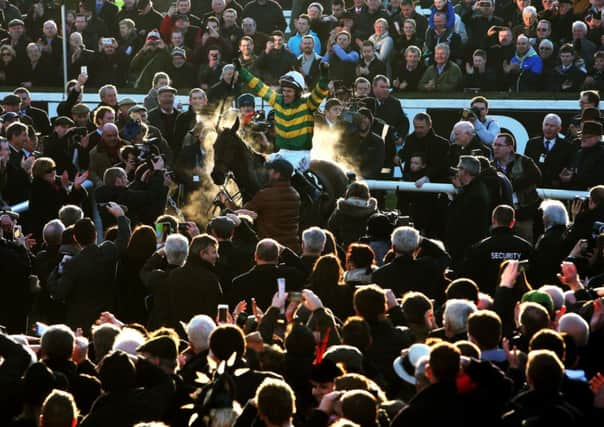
(181, 72)
(468, 214)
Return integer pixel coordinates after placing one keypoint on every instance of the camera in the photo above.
(259, 122)
(470, 113)
(76, 134)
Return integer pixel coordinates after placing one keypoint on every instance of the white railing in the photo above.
(544, 193)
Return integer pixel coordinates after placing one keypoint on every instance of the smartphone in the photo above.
(17, 232)
(107, 40)
(281, 286)
(84, 70)
(160, 234)
(281, 289)
(523, 265)
(223, 310)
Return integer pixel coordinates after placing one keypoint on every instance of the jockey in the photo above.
(294, 121)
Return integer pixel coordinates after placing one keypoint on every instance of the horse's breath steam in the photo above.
(200, 203)
(327, 145)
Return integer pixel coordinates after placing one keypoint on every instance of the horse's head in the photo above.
(225, 147)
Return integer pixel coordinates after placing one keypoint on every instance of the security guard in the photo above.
(484, 258)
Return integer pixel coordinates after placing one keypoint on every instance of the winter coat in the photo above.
(278, 209)
(349, 220)
(87, 283)
(194, 289)
(449, 80)
(46, 199)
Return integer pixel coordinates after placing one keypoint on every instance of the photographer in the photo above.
(106, 153)
(140, 203)
(585, 213)
(62, 145)
(486, 128)
(153, 57)
(367, 148)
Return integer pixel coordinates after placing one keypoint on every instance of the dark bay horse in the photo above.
(232, 154)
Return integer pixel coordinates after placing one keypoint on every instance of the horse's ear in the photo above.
(235, 126)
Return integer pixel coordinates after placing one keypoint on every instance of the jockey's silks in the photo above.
(294, 123)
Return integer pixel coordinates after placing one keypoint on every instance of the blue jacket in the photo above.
(531, 62)
(450, 16)
(293, 44)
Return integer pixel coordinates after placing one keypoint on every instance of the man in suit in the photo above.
(39, 116)
(194, 287)
(419, 272)
(390, 111)
(87, 282)
(550, 152)
(164, 116)
(261, 280)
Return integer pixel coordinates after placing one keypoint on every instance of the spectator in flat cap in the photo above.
(180, 71)
(468, 213)
(16, 38)
(585, 171)
(12, 104)
(163, 117)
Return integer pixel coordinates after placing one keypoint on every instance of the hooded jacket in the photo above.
(349, 220)
(531, 68)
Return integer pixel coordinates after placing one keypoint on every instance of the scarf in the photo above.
(529, 54)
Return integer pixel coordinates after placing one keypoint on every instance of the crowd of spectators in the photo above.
(516, 46)
(482, 307)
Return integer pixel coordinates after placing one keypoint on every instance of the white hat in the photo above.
(406, 364)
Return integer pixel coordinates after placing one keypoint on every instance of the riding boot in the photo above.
(308, 192)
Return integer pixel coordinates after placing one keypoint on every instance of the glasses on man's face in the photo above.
(546, 48)
(541, 29)
(6, 54)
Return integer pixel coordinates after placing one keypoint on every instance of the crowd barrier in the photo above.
(544, 193)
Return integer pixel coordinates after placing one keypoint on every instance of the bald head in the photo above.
(267, 252)
(575, 326)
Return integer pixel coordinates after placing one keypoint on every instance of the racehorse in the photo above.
(233, 155)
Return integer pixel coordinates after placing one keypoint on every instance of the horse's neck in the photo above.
(251, 175)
